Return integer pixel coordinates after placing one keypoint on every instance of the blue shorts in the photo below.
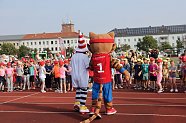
(107, 91)
(146, 76)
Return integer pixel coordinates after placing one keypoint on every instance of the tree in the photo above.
(165, 45)
(69, 51)
(147, 43)
(8, 49)
(125, 47)
(23, 50)
(179, 46)
(35, 50)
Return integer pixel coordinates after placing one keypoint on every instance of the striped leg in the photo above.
(83, 98)
(78, 97)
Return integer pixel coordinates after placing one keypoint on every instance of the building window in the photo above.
(134, 39)
(51, 42)
(125, 40)
(17, 44)
(47, 42)
(39, 43)
(173, 37)
(14, 44)
(76, 41)
(52, 49)
(71, 41)
(56, 48)
(35, 43)
(55, 42)
(128, 40)
(178, 38)
(173, 44)
(31, 43)
(68, 41)
(27, 43)
(23, 43)
(39, 49)
(139, 39)
(64, 41)
(118, 39)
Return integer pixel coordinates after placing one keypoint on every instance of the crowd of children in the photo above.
(151, 74)
(26, 74)
(154, 74)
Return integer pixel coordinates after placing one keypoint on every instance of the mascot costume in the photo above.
(80, 64)
(101, 47)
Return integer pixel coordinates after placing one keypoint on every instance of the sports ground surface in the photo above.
(132, 107)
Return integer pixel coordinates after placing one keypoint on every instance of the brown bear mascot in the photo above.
(101, 47)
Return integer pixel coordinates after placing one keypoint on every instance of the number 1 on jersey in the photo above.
(100, 68)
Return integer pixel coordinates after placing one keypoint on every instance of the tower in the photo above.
(68, 27)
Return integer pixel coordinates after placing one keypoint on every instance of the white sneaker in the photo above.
(160, 91)
(176, 90)
(60, 91)
(57, 90)
(43, 91)
(171, 90)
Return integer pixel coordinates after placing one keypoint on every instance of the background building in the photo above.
(42, 41)
(162, 34)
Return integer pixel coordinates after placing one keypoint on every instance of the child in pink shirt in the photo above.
(159, 75)
(62, 71)
(9, 77)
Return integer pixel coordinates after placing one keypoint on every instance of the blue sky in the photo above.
(99, 16)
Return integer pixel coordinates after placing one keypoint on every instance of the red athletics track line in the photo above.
(123, 114)
(88, 104)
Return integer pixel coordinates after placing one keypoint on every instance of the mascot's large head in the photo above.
(102, 43)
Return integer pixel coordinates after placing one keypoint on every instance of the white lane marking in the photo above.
(123, 114)
(129, 98)
(115, 104)
(123, 92)
(19, 98)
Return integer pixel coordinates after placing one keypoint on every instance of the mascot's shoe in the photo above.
(92, 110)
(83, 109)
(111, 111)
(76, 106)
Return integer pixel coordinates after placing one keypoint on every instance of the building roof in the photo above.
(159, 30)
(11, 37)
(40, 36)
(51, 35)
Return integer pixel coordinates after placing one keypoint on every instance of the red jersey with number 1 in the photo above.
(101, 66)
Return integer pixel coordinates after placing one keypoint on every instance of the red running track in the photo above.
(132, 107)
